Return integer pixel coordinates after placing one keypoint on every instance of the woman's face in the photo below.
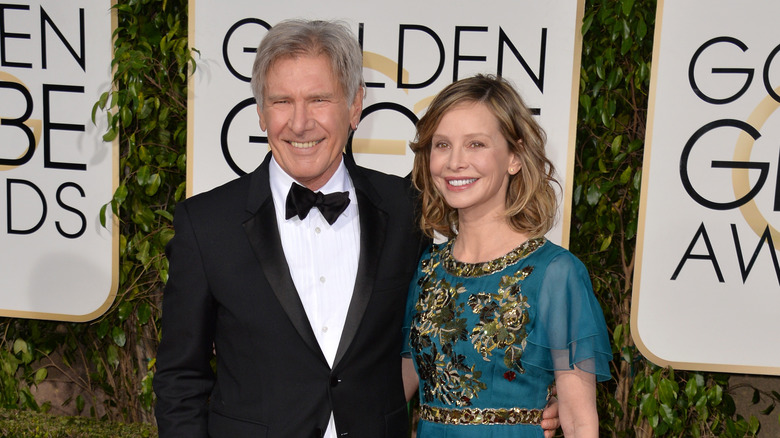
(471, 161)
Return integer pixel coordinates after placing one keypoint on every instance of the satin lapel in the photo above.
(373, 227)
(263, 234)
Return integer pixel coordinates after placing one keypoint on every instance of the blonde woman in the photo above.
(497, 314)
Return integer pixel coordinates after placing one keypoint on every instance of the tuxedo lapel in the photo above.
(263, 234)
(373, 227)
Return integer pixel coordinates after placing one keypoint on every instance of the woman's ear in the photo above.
(515, 163)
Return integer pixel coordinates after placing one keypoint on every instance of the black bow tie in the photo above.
(300, 200)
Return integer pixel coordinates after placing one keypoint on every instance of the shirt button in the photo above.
(317, 230)
(322, 279)
(325, 329)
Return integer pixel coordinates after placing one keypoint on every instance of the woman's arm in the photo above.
(411, 381)
(577, 403)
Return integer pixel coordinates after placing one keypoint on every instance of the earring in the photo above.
(512, 170)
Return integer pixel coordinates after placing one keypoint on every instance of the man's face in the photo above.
(307, 117)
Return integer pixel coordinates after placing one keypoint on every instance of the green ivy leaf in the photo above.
(641, 29)
(667, 392)
(625, 47)
(112, 356)
(627, 5)
(102, 329)
(126, 115)
(40, 375)
(79, 403)
(120, 194)
(124, 311)
(153, 184)
(593, 195)
(143, 175)
(667, 414)
(648, 405)
(755, 426)
(144, 313)
(616, 143)
(691, 389)
(102, 215)
(617, 335)
(654, 420)
(180, 190)
(164, 213)
(118, 335)
(110, 135)
(606, 243)
(637, 180)
(20, 346)
(625, 177)
(587, 22)
(715, 395)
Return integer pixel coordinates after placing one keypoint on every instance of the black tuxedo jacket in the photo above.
(230, 290)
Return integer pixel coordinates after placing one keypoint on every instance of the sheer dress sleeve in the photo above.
(569, 327)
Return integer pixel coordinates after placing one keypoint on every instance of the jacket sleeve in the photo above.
(184, 377)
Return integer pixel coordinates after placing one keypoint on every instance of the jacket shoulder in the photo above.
(389, 187)
(231, 193)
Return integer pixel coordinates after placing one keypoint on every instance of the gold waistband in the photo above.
(481, 416)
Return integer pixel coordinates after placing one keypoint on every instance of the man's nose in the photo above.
(301, 119)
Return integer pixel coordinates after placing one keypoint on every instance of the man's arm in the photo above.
(184, 378)
(550, 420)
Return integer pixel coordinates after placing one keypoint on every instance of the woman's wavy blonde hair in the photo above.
(531, 200)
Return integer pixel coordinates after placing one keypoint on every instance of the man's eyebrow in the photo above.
(275, 96)
(325, 95)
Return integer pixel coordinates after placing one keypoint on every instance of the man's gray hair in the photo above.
(292, 38)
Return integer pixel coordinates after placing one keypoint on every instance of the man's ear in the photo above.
(262, 117)
(356, 109)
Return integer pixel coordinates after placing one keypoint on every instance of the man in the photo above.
(303, 308)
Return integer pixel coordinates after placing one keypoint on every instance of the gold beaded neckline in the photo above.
(463, 269)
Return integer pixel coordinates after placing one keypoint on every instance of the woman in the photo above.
(496, 314)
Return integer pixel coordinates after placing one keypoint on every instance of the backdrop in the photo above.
(56, 259)
(707, 283)
(411, 51)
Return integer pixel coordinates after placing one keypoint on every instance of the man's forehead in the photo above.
(321, 82)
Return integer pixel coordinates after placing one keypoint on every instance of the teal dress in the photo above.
(486, 338)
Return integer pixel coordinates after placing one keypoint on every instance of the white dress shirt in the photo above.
(323, 259)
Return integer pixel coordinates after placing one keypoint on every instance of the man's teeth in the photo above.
(304, 145)
(461, 182)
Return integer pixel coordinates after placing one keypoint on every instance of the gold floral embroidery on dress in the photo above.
(502, 320)
(444, 375)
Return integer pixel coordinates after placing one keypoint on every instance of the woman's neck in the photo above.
(486, 238)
